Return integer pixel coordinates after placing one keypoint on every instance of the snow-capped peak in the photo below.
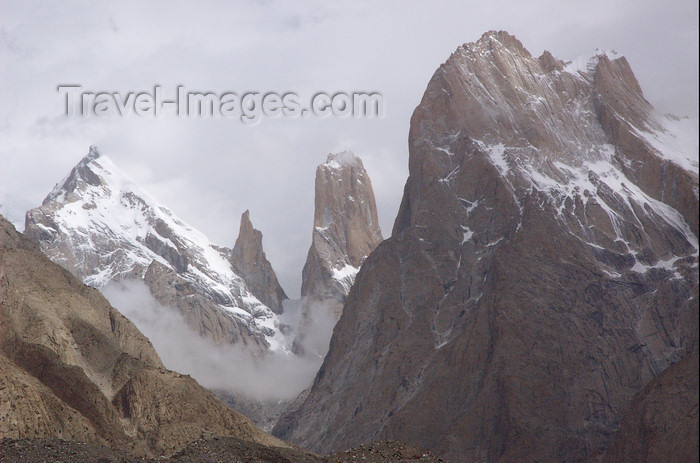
(100, 225)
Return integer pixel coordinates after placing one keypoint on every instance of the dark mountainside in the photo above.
(541, 280)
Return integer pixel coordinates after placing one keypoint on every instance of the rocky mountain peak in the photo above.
(542, 267)
(346, 228)
(246, 227)
(93, 154)
(79, 175)
(345, 231)
(250, 262)
(499, 39)
(102, 227)
(539, 124)
(344, 210)
(343, 158)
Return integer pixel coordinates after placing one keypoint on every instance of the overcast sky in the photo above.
(208, 171)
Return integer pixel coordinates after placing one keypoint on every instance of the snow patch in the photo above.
(677, 141)
(668, 265)
(467, 234)
(585, 65)
(496, 154)
(345, 276)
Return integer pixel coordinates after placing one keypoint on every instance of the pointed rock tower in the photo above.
(345, 231)
(249, 261)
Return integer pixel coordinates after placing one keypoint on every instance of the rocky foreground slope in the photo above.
(102, 227)
(216, 450)
(542, 270)
(661, 422)
(72, 367)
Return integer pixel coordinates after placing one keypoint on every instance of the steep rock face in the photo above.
(661, 423)
(629, 121)
(200, 312)
(72, 367)
(345, 231)
(537, 275)
(249, 261)
(102, 227)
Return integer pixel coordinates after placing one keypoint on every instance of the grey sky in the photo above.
(209, 171)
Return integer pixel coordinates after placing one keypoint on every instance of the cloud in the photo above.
(317, 328)
(209, 171)
(229, 368)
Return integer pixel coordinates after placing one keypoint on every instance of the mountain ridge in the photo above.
(101, 226)
(537, 276)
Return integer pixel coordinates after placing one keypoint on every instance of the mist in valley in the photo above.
(230, 368)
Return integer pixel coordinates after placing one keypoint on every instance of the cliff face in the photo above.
(345, 231)
(541, 271)
(102, 227)
(72, 367)
(661, 423)
(249, 261)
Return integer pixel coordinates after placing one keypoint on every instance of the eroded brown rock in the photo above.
(72, 367)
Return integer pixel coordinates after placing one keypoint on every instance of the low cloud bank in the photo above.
(232, 368)
(315, 330)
